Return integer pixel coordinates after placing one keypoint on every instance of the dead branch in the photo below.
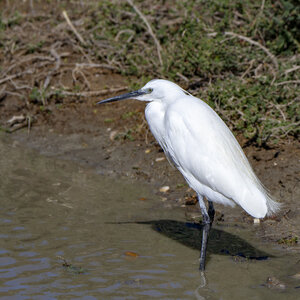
(280, 110)
(286, 129)
(91, 93)
(293, 69)
(17, 122)
(77, 70)
(244, 38)
(182, 77)
(257, 69)
(158, 46)
(83, 53)
(80, 38)
(28, 59)
(57, 66)
(3, 93)
(131, 32)
(92, 65)
(18, 87)
(257, 19)
(8, 78)
(288, 82)
(15, 119)
(248, 69)
(2, 90)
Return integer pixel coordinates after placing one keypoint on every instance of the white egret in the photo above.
(201, 146)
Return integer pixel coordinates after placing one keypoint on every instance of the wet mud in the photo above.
(69, 233)
(87, 139)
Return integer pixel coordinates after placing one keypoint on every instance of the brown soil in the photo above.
(114, 139)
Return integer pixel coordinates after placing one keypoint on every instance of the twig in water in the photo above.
(158, 46)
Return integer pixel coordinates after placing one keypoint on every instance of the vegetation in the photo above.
(288, 241)
(242, 57)
(209, 47)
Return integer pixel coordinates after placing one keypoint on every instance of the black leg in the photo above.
(211, 211)
(205, 232)
(206, 224)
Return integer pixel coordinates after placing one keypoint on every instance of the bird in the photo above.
(201, 146)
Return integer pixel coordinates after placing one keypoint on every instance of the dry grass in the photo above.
(232, 54)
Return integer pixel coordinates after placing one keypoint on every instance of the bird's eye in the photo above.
(149, 90)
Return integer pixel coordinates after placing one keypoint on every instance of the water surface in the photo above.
(68, 233)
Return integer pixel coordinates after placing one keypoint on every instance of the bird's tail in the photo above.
(273, 206)
(256, 200)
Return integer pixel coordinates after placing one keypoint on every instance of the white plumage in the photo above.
(203, 149)
(201, 146)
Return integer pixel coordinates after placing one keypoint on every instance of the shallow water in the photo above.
(68, 233)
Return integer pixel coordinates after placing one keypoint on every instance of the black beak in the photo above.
(124, 96)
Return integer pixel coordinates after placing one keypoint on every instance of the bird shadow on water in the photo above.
(219, 242)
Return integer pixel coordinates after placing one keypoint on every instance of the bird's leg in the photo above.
(211, 211)
(206, 224)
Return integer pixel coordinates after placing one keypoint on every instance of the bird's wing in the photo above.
(206, 150)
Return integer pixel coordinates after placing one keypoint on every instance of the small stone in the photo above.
(191, 200)
(274, 283)
(164, 189)
(147, 151)
(113, 134)
(256, 221)
(158, 159)
(296, 276)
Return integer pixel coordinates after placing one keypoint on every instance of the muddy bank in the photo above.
(83, 136)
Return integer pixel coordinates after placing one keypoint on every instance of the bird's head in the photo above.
(155, 90)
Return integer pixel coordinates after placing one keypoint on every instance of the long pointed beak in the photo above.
(124, 96)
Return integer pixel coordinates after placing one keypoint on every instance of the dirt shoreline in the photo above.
(95, 146)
